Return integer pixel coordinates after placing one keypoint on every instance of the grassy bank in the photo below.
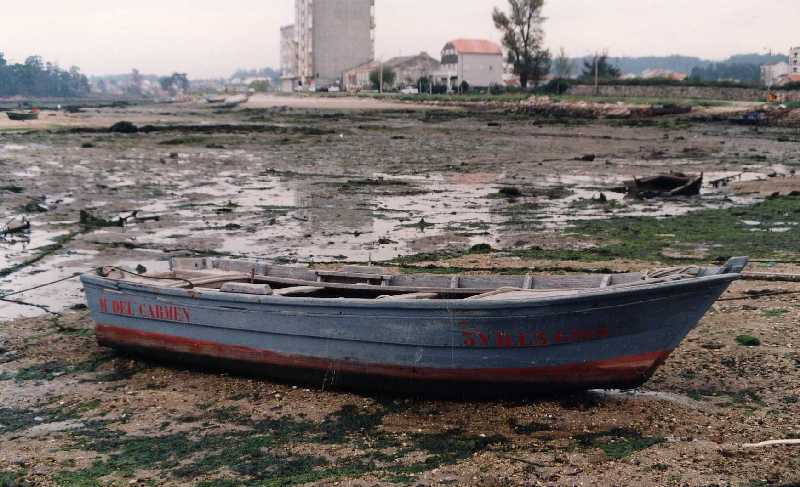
(769, 230)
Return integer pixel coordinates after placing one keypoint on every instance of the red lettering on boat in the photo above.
(123, 308)
(469, 339)
(147, 311)
(503, 340)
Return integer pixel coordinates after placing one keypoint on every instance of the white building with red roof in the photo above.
(479, 62)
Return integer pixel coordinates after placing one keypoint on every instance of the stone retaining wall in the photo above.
(667, 92)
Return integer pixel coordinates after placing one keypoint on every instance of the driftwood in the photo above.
(766, 276)
(772, 443)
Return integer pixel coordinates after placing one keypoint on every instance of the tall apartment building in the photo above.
(794, 58)
(331, 36)
(288, 58)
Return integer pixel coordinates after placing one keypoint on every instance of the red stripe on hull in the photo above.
(628, 371)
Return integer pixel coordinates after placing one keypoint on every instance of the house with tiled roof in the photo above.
(479, 62)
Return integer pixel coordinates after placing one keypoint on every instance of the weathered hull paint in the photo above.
(619, 372)
(614, 339)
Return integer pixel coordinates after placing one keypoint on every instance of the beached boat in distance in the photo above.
(235, 101)
(363, 328)
(23, 116)
(664, 186)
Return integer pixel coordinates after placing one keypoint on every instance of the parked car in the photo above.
(410, 90)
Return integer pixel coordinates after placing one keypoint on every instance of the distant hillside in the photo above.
(757, 59)
(684, 64)
(681, 64)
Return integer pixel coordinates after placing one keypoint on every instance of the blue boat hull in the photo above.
(613, 339)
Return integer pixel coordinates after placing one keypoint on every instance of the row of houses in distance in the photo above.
(474, 61)
(782, 73)
(332, 45)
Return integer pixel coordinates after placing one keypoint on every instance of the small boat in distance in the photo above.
(23, 116)
(364, 328)
(235, 101)
(663, 186)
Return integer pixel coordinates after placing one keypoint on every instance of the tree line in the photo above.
(522, 28)
(35, 77)
(746, 73)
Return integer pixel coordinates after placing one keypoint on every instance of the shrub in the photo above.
(124, 127)
(748, 341)
(556, 86)
(510, 192)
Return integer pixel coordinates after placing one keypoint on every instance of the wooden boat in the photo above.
(23, 116)
(363, 328)
(664, 186)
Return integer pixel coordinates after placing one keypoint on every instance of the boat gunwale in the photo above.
(214, 295)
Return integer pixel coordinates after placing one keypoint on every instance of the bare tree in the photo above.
(523, 37)
(135, 86)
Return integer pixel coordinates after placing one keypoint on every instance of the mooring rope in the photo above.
(102, 273)
(40, 286)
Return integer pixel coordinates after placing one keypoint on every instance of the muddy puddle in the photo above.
(315, 220)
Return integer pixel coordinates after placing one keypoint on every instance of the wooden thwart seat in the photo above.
(408, 297)
(367, 282)
(297, 291)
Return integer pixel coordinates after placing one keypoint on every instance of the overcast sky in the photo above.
(209, 38)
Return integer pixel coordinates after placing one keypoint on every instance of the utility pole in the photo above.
(596, 74)
(380, 77)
